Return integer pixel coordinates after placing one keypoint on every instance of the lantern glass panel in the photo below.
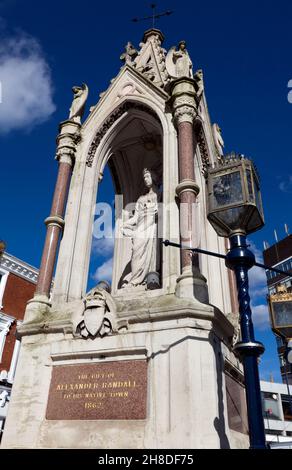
(282, 313)
(227, 189)
(232, 217)
(258, 198)
(249, 185)
(254, 221)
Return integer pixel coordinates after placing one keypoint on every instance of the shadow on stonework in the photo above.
(219, 421)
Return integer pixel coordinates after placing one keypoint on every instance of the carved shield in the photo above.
(93, 318)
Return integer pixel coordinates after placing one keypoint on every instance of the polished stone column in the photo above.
(191, 283)
(66, 145)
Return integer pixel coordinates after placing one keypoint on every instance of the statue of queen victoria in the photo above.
(142, 228)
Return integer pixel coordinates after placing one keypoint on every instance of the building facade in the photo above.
(279, 256)
(17, 285)
(277, 411)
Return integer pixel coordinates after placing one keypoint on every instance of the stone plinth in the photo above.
(170, 347)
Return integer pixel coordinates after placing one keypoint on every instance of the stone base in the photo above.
(184, 389)
(37, 308)
(192, 286)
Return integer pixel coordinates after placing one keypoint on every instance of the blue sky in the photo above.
(244, 49)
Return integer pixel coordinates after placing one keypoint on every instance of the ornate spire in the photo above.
(150, 60)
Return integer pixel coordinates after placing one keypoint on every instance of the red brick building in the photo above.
(17, 285)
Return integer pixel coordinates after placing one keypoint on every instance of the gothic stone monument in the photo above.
(147, 363)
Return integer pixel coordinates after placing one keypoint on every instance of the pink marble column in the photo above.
(191, 283)
(187, 196)
(67, 140)
(54, 224)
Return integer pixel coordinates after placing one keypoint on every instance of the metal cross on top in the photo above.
(154, 15)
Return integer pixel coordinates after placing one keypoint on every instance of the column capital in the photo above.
(184, 113)
(67, 139)
(183, 98)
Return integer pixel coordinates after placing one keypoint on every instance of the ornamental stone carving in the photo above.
(67, 140)
(218, 140)
(204, 151)
(98, 314)
(184, 103)
(198, 77)
(185, 114)
(130, 54)
(150, 60)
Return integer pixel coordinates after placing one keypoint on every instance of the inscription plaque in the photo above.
(111, 390)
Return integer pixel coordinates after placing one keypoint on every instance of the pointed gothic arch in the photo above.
(100, 145)
(130, 139)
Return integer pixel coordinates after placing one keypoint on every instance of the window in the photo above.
(5, 323)
(271, 408)
(3, 279)
(287, 408)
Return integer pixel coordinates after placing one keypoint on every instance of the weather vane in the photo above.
(154, 16)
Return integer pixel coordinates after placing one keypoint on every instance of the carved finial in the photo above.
(130, 54)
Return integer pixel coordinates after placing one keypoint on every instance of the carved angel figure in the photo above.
(78, 103)
(178, 62)
(200, 82)
(219, 142)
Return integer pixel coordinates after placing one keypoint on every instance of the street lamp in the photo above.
(235, 210)
(280, 305)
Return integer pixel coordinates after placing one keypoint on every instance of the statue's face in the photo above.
(148, 179)
(182, 46)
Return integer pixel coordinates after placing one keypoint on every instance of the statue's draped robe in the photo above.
(143, 230)
(182, 64)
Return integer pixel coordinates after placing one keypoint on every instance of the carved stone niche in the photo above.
(97, 316)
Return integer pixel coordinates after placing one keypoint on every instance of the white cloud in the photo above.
(260, 317)
(286, 185)
(258, 290)
(26, 84)
(257, 276)
(104, 272)
(103, 246)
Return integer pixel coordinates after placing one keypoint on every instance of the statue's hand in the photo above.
(127, 230)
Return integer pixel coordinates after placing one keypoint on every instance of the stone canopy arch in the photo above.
(132, 143)
(133, 134)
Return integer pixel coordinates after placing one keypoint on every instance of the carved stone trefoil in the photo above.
(98, 316)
